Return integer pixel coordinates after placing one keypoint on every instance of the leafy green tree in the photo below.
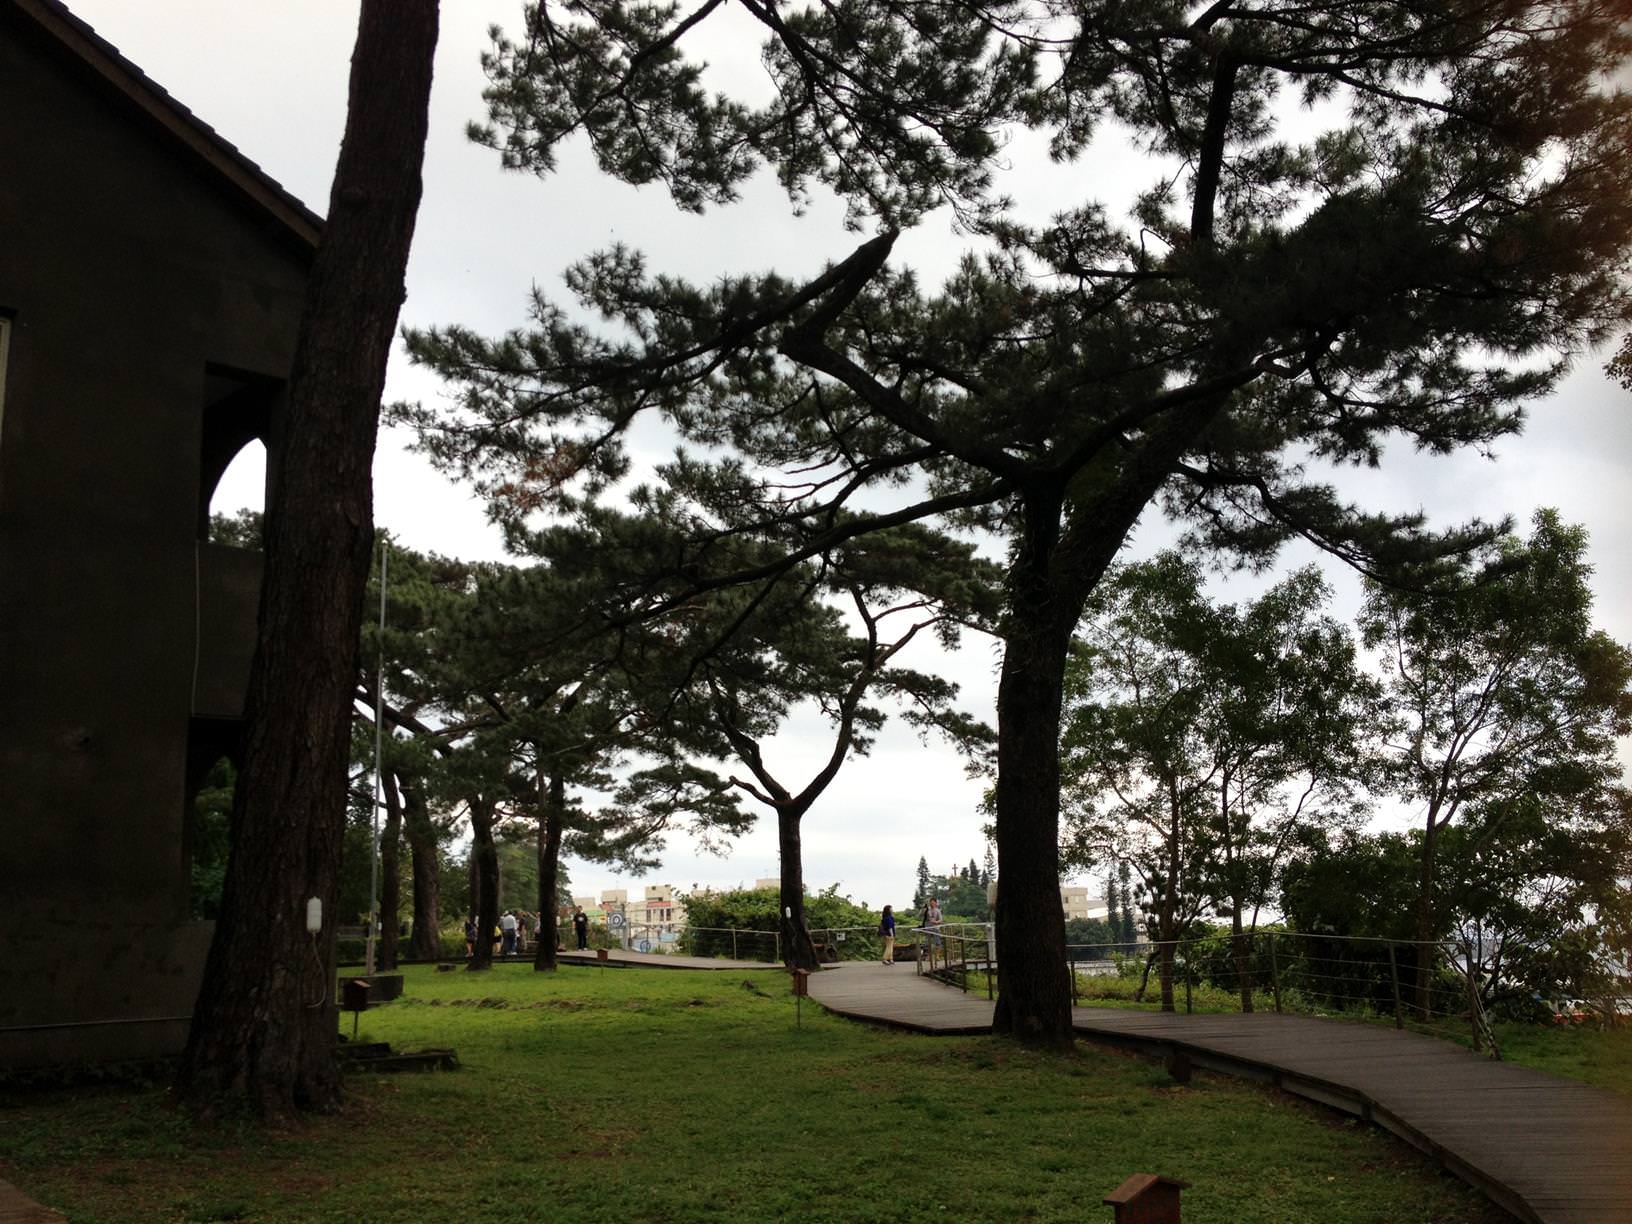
(1280, 294)
(1092, 936)
(1291, 729)
(208, 821)
(962, 898)
(920, 896)
(1537, 891)
(424, 596)
(1127, 931)
(1508, 697)
(1201, 738)
(711, 916)
(557, 711)
(791, 646)
(1113, 908)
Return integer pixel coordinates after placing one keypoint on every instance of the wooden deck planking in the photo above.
(1548, 1149)
(618, 958)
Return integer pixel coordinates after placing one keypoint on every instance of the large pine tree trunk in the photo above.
(264, 1025)
(1034, 1003)
(484, 858)
(390, 873)
(798, 949)
(426, 938)
(552, 824)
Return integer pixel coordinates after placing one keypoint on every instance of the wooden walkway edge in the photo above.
(618, 958)
(1547, 1149)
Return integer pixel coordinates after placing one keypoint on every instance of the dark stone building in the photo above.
(151, 281)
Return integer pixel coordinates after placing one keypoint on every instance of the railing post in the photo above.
(1187, 1007)
(734, 944)
(1394, 977)
(1274, 970)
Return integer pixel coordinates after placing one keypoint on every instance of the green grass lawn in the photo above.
(652, 1095)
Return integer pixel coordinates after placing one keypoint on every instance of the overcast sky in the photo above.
(271, 78)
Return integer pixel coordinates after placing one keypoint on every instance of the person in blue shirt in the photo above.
(886, 928)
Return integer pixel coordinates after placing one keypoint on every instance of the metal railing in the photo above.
(951, 951)
(1354, 976)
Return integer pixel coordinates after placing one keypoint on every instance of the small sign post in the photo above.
(1146, 1198)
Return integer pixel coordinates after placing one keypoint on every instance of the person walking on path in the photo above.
(932, 920)
(470, 937)
(580, 928)
(507, 929)
(886, 928)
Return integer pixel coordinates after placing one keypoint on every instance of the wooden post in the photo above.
(1274, 971)
(734, 955)
(1146, 1198)
(1394, 977)
(1188, 1009)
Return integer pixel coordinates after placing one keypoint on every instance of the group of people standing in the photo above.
(517, 931)
(930, 920)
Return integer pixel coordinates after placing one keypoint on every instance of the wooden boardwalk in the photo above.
(617, 958)
(1545, 1148)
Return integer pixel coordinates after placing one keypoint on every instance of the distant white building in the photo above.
(1079, 903)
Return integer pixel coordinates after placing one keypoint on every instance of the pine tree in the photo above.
(921, 897)
(255, 1033)
(1342, 293)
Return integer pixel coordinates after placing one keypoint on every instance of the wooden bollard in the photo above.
(801, 982)
(600, 954)
(1147, 1198)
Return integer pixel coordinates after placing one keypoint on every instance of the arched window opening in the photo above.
(232, 452)
(240, 499)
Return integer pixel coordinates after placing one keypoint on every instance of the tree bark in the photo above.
(1243, 958)
(426, 937)
(1166, 975)
(390, 867)
(798, 948)
(265, 1024)
(484, 858)
(1144, 978)
(552, 823)
(1034, 1003)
